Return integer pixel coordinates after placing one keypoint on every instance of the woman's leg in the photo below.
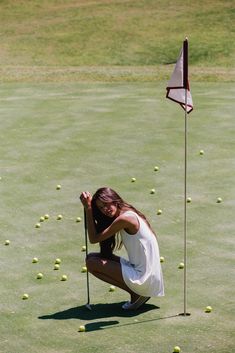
(108, 271)
(98, 254)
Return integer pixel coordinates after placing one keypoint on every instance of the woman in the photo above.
(141, 274)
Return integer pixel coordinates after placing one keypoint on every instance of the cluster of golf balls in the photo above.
(57, 261)
(59, 217)
(40, 275)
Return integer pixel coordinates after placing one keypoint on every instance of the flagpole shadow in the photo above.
(104, 325)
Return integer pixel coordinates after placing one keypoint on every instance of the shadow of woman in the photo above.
(99, 311)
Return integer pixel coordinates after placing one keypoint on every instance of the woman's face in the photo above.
(108, 209)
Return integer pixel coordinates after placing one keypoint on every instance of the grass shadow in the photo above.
(99, 311)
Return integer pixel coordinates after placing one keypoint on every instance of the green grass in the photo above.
(51, 40)
(82, 105)
(86, 135)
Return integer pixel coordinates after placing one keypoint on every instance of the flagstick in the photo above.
(185, 200)
(185, 78)
(185, 205)
(179, 81)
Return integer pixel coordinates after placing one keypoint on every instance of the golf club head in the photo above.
(88, 306)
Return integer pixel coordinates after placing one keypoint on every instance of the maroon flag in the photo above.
(178, 86)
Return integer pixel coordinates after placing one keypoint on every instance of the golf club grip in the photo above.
(85, 219)
(85, 228)
(86, 243)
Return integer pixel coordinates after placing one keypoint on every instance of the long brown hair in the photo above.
(102, 222)
(108, 195)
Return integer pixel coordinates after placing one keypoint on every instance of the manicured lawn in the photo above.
(114, 40)
(86, 135)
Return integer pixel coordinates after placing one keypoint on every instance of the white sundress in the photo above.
(142, 272)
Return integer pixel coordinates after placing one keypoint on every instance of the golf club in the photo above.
(88, 306)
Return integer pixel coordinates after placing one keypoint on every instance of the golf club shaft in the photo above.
(86, 244)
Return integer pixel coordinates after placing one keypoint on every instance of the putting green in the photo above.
(87, 135)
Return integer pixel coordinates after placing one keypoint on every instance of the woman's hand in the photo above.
(86, 198)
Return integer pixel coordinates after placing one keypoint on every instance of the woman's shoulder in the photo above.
(130, 216)
(132, 221)
(129, 213)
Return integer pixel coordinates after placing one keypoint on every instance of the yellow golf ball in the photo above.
(82, 328)
(112, 288)
(84, 269)
(39, 275)
(208, 309)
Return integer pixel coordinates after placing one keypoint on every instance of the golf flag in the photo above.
(178, 86)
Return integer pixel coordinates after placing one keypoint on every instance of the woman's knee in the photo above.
(93, 263)
(93, 254)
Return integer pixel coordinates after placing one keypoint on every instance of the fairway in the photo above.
(86, 135)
